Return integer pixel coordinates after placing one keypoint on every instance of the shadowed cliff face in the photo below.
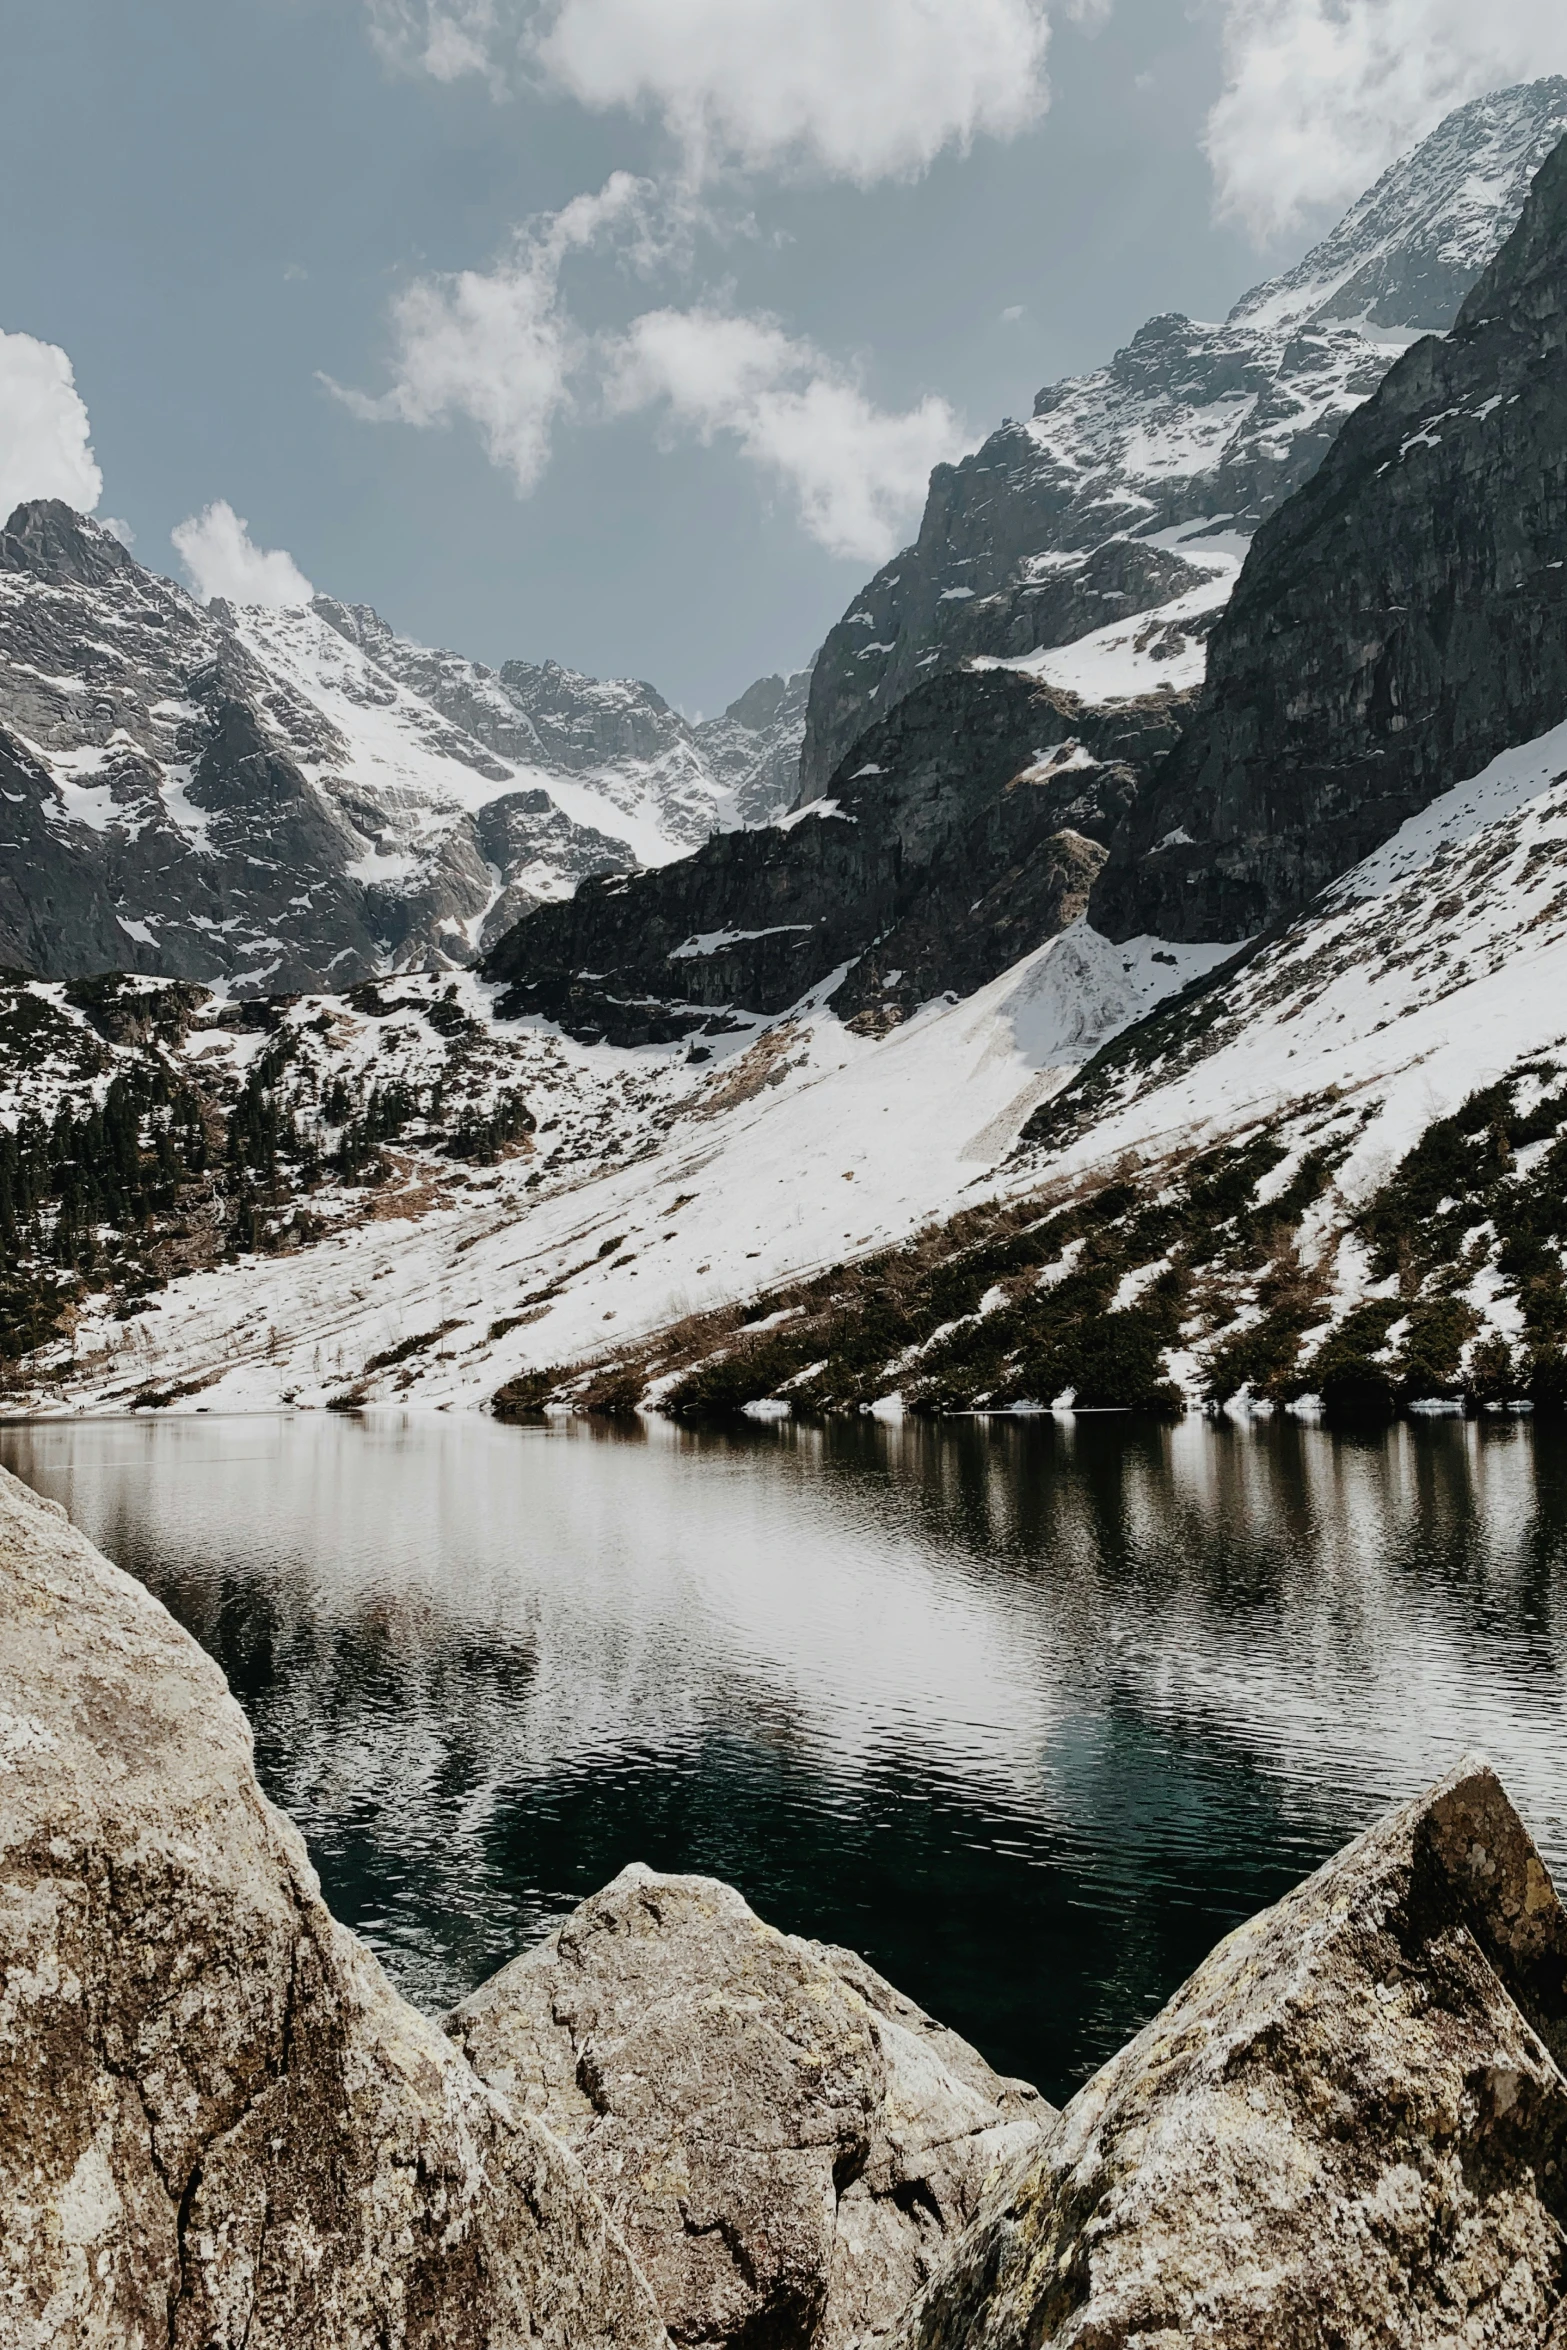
(1398, 623)
(959, 834)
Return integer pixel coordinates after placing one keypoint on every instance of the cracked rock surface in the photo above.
(219, 2126)
(1349, 2128)
(786, 2141)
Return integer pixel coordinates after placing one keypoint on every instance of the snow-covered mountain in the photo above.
(286, 799)
(1094, 542)
(1344, 1162)
(1106, 1165)
(982, 792)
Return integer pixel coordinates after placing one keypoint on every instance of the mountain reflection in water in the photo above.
(1030, 1713)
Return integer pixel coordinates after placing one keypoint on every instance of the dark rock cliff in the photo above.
(1400, 621)
(962, 832)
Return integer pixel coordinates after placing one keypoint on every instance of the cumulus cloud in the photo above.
(865, 92)
(218, 552)
(497, 347)
(1320, 95)
(861, 89)
(501, 350)
(45, 440)
(856, 473)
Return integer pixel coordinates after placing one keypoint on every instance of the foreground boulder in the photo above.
(785, 2140)
(218, 2123)
(220, 2129)
(1349, 2128)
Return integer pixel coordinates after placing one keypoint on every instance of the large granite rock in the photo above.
(219, 2126)
(220, 2129)
(1349, 2128)
(785, 2140)
(1400, 621)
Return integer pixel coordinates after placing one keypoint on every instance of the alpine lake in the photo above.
(1031, 1712)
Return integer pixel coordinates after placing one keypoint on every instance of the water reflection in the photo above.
(1029, 1712)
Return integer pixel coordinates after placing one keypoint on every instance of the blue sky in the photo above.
(668, 420)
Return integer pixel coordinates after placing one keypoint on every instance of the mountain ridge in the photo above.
(1133, 490)
(299, 798)
(1365, 663)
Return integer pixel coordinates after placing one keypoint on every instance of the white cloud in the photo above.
(45, 448)
(861, 89)
(1320, 95)
(857, 473)
(496, 346)
(443, 38)
(501, 350)
(216, 549)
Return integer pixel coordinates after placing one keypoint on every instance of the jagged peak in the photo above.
(361, 624)
(49, 539)
(1406, 251)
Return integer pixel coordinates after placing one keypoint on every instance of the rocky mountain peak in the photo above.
(1405, 255)
(300, 798)
(54, 543)
(584, 721)
(1095, 543)
(759, 705)
(1399, 624)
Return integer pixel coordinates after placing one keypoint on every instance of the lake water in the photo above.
(1029, 1712)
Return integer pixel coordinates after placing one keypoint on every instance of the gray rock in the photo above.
(219, 2127)
(1349, 2127)
(753, 750)
(785, 2140)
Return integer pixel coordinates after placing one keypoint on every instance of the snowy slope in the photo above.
(797, 1147)
(1428, 971)
(1433, 969)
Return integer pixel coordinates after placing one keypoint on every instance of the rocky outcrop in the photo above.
(1399, 622)
(1349, 2127)
(220, 2129)
(753, 749)
(963, 832)
(785, 2140)
(1134, 488)
(177, 785)
(218, 2124)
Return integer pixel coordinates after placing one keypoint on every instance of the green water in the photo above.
(1030, 1713)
